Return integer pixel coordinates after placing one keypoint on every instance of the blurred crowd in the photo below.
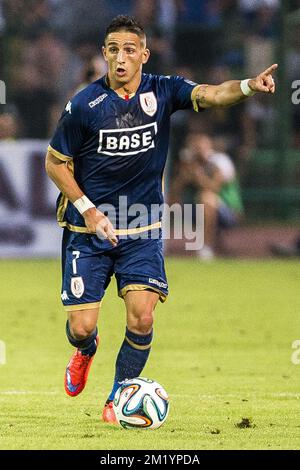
(49, 48)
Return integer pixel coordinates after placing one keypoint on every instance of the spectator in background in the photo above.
(261, 22)
(257, 123)
(260, 16)
(205, 13)
(198, 25)
(39, 82)
(182, 120)
(81, 20)
(93, 69)
(213, 177)
(8, 126)
(148, 14)
(25, 18)
(33, 94)
(226, 122)
(293, 57)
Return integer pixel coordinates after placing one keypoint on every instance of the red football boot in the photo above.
(77, 372)
(108, 414)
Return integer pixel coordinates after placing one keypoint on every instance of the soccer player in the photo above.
(110, 146)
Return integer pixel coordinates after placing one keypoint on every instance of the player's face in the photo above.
(125, 54)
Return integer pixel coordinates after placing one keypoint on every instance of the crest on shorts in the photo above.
(77, 286)
(149, 103)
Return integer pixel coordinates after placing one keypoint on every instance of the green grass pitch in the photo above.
(222, 349)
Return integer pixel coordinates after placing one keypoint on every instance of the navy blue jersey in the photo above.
(117, 148)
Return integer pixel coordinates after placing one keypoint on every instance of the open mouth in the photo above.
(120, 71)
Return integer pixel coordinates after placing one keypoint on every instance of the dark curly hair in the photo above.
(126, 23)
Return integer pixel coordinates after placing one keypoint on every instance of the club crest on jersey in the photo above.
(149, 103)
(77, 286)
(127, 141)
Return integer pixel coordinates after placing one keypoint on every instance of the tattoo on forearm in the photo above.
(201, 94)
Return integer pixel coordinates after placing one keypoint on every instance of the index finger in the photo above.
(270, 69)
(111, 236)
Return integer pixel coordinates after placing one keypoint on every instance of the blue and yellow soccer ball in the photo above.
(141, 403)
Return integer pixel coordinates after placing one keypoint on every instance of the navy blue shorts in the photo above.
(89, 263)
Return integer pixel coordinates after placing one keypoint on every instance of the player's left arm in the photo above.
(230, 92)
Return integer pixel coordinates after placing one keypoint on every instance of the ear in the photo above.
(104, 53)
(146, 55)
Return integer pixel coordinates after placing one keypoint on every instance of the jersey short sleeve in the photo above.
(181, 93)
(69, 135)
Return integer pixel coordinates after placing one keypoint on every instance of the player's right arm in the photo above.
(65, 144)
(61, 175)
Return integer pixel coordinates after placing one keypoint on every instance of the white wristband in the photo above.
(246, 90)
(83, 204)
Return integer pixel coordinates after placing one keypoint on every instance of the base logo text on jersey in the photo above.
(128, 141)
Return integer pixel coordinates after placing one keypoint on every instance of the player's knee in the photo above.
(144, 326)
(82, 330)
(146, 323)
(143, 322)
(82, 324)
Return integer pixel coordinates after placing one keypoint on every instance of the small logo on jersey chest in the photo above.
(98, 100)
(148, 103)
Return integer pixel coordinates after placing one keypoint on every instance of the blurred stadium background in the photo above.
(49, 48)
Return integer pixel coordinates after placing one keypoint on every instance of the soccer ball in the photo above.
(141, 403)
